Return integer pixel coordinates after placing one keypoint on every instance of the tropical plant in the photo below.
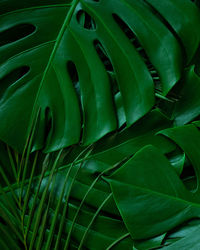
(99, 111)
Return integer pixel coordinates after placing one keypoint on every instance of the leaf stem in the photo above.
(118, 240)
(93, 219)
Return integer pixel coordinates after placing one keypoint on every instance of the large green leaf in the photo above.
(63, 59)
(145, 181)
(116, 70)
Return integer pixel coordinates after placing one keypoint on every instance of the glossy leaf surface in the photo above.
(144, 181)
(66, 73)
(99, 111)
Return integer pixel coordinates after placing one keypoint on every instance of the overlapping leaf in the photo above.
(73, 72)
(148, 179)
(60, 58)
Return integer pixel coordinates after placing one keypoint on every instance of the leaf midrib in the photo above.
(51, 57)
(178, 199)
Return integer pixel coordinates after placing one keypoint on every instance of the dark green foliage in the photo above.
(99, 111)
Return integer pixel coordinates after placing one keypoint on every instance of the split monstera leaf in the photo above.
(99, 111)
(61, 59)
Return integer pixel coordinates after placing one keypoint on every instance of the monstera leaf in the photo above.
(155, 183)
(76, 64)
(99, 111)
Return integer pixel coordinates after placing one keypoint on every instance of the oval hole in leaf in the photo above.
(85, 20)
(16, 33)
(103, 55)
(73, 73)
(12, 77)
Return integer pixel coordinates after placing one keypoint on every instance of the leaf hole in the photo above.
(16, 33)
(73, 73)
(103, 55)
(85, 20)
(12, 77)
(135, 42)
(107, 64)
